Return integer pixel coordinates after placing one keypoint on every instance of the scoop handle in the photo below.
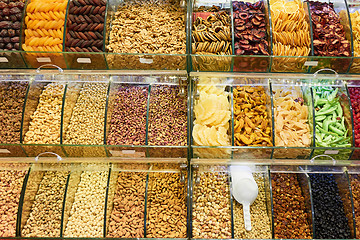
(247, 217)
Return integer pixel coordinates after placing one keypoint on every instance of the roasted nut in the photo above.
(87, 212)
(45, 215)
(129, 196)
(128, 120)
(11, 182)
(260, 220)
(211, 206)
(167, 211)
(45, 122)
(167, 117)
(12, 96)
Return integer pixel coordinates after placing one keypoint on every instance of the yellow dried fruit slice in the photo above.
(291, 7)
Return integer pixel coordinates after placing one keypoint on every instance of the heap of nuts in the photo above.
(45, 216)
(12, 97)
(260, 221)
(211, 32)
(252, 121)
(211, 206)
(167, 212)
(129, 198)
(250, 28)
(87, 212)
(11, 182)
(85, 26)
(291, 219)
(328, 33)
(152, 26)
(46, 120)
(128, 120)
(167, 117)
(87, 120)
(10, 24)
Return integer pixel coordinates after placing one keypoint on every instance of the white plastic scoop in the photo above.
(245, 190)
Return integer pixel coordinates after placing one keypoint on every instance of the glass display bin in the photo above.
(211, 36)
(273, 116)
(139, 41)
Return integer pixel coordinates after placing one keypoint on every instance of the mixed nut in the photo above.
(250, 28)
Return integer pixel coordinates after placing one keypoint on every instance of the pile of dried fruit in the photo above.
(252, 121)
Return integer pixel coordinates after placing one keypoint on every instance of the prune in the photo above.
(329, 215)
(15, 39)
(20, 5)
(12, 4)
(2, 45)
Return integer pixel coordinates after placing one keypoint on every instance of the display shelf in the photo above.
(79, 114)
(256, 126)
(342, 53)
(285, 187)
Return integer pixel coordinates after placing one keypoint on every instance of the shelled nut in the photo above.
(260, 220)
(167, 211)
(87, 120)
(127, 216)
(11, 182)
(211, 206)
(87, 212)
(45, 122)
(45, 215)
(159, 28)
(12, 97)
